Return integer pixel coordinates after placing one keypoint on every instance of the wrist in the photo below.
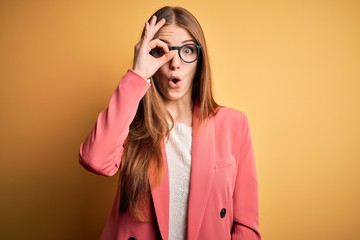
(140, 75)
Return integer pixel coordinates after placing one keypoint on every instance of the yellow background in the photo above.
(292, 66)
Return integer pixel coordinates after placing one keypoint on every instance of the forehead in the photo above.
(174, 34)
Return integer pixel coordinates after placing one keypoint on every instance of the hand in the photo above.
(144, 64)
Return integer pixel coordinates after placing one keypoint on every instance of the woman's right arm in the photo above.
(102, 150)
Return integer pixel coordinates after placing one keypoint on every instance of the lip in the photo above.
(174, 84)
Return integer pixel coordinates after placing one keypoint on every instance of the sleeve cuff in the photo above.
(148, 80)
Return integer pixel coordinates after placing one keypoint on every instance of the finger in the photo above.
(158, 43)
(152, 23)
(149, 26)
(154, 27)
(153, 20)
(146, 32)
(167, 57)
(159, 25)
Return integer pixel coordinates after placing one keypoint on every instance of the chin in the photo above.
(173, 97)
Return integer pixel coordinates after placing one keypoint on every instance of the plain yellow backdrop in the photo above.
(292, 66)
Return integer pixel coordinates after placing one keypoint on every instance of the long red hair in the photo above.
(142, 164)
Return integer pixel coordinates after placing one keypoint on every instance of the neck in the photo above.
(181, 111)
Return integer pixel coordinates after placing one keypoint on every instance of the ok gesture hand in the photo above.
(144, 64)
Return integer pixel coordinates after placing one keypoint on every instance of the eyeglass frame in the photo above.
(178, 48)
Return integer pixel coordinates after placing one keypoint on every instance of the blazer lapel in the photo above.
(160, 195)
(202, 171)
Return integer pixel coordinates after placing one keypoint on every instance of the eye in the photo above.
(188, 49)
(158, 52)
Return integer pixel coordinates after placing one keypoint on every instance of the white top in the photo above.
(178, 151)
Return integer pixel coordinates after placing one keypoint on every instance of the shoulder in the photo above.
(231, 129)
(230, 115)
(230, 122)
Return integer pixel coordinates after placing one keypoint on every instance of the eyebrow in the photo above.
(185, 41)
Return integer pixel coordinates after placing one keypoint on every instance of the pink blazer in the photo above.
(223, 198)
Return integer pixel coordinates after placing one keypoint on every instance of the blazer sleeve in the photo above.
(246, 215)
(102, 150)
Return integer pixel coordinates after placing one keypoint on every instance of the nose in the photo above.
(175, 62)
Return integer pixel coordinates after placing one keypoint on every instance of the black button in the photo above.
(223, 213)
(132, 238)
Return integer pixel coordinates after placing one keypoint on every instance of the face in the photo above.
(174, 79)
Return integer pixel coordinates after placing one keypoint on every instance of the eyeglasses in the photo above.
(188, 53)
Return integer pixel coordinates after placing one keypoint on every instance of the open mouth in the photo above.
(175, 80)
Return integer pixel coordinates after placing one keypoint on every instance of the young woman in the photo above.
(186, 165)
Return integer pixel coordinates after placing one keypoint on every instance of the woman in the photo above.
(186, 166)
